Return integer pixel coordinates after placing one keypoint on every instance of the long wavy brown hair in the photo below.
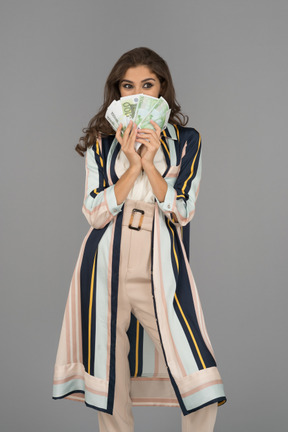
(98, 125)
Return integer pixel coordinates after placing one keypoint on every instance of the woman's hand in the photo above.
(126, 181)
(127, 143)
(151, 140)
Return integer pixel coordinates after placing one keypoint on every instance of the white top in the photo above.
(141, 190)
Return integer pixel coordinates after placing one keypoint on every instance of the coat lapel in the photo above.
(114, 149)
(171, 147)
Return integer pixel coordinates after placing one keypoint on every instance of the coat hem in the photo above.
(70, 396)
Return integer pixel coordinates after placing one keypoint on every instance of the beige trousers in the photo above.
(134, 294)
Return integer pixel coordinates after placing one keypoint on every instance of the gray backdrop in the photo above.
(229, 64)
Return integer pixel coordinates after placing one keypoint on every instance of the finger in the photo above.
(128, 129)
(147, 144)
(148, 132)
(148, 137)
(118, 133)
(156, 126)
(130, 140)
(132, 136)
(152, 138)
(133, 130)
(126, 134)
(130, 126)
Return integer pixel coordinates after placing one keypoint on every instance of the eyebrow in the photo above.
(146, 79)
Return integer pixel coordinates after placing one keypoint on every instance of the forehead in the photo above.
(139, 73)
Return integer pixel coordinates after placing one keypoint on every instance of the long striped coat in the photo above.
(85, 362)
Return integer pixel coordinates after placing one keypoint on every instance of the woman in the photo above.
(133, 331)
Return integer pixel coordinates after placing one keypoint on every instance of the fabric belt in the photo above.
(138, 214)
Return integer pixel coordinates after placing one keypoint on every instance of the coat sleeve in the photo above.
(100, 204)
(179, 201)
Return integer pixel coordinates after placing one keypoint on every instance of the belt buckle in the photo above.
(134, 210)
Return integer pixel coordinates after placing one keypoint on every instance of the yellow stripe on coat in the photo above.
(163, 142)
(101, 160)
(90, 312)
(192, 166)
(136, 348)
(190, 331)
(174, 250)
(177, 131)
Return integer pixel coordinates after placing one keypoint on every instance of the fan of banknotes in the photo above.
(141, 109)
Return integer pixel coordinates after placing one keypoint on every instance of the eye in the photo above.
(127, 86)
(148, 85)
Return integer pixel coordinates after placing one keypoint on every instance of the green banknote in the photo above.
(141, 109)
(144, 107)
(129, 105)
(112, 115)
(158, 114)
